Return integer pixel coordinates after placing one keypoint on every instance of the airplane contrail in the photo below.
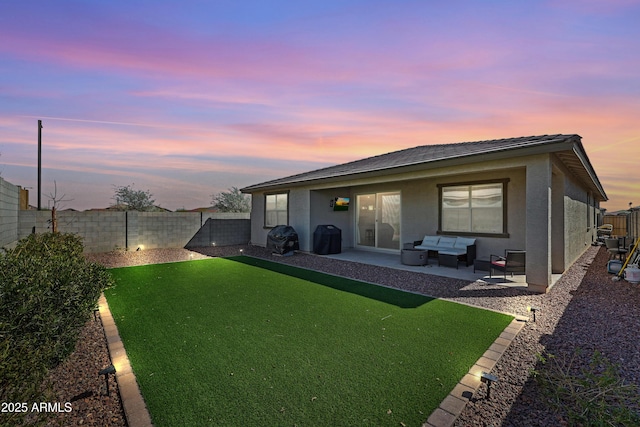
(66, 119)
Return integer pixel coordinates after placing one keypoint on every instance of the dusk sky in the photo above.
(186, 99)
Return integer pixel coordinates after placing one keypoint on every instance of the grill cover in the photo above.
(283, 240)
(327, 239)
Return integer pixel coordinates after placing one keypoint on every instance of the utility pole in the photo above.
(39, 164)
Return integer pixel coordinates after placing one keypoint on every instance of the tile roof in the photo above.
(423, 154)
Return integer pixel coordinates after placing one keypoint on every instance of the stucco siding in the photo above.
(258, 232)
(558, 222)
(579, 215)
(299, 218)
(538, 222)
(419, 210)
(516, 209)
(579, 231)
(323, 213)
(299, 212)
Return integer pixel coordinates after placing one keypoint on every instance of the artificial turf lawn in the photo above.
(223, 342)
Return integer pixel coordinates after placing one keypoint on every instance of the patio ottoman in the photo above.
(448, 259)
(481, 264)
(413, 257)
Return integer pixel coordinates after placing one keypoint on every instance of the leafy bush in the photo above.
(592, 394)
(47, 293)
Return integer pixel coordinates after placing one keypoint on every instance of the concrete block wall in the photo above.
(161, 229)
(100, 231)
(33, 221)
(222, 232)
(104, 231)
(226, 232)
(9, 206)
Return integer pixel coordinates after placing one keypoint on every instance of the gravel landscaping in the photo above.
(585, 310)
(77, 381)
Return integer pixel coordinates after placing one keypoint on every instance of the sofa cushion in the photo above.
(430, 241)
(463, 242)
(446, 242)
(453, 251)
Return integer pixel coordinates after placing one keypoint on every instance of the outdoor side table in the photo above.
(481, 264)
(413, 257)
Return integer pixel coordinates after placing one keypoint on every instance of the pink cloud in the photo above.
(155, 52)
(111, 150)
(347, 95)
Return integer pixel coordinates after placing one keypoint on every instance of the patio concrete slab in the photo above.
(392, 260)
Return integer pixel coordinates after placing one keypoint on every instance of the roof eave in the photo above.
(390, 170)
(569, 143)
(586, 164)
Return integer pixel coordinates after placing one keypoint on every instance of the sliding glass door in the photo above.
(366, 220)
(378, 220)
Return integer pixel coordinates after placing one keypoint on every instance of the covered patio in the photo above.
(392, 260)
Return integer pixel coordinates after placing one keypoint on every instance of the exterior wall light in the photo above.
(488, 379)
(106, 371)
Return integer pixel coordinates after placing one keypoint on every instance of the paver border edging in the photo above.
(453, 405)
(135, 409)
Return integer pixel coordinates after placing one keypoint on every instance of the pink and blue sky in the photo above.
(186, 99)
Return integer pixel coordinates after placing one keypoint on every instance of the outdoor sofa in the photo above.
(452, 248)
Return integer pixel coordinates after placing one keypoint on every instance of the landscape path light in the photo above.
(106, 371)
(533, 310)
(488, 379)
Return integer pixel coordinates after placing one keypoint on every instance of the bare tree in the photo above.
(56, 204)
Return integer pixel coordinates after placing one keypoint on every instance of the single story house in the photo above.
(537, 193)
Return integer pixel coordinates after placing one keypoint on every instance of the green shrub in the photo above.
(47, 293)
(592, 394)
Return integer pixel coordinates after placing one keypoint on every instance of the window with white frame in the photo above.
(276, 209)
(474, 208)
